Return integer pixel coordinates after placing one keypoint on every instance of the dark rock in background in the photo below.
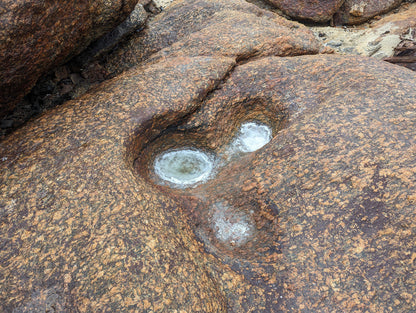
(312, 10)
(36, 36)
(341, 12)
(358, 11)
(186, 17)
(405, 54)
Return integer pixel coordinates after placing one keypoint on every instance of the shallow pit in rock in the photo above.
(251, 136)
(184, 167)
(188, 165)
(187, 161)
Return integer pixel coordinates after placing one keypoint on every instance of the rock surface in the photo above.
(313, 10)
(36, 36)
(378, 39)
(358, 11)
(212, 28)
(330, 198)
(342, 12)
(323, 216)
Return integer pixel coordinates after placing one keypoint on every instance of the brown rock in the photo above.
(404, 25)
(358, 11)
(327, 207)
(332, 210)
(329, 201)
(212, 27)
(312, 10)
(405, 54)
(36, 35)
(88, 229)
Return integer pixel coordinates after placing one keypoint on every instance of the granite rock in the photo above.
(213, 28)
(329, 201)
(327, 207)
(86, 227)
(36, 36)
(315, 10)
(387, 37)
(358, 11)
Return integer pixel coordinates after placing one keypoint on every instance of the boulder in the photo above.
(213, 28)
(329, 201)
(320, 218)
(392, 35)
(312, 10)
(358, 11)
(36, 36)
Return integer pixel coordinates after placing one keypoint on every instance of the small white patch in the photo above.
(184, 167)
(234, 228)
(251, 137)
(4, 159)
(162, 4)
(10, 207)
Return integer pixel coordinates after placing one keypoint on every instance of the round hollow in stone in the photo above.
(230, 226)
(252, 136)
(184, 167)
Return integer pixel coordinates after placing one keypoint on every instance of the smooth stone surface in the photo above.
(36, 36)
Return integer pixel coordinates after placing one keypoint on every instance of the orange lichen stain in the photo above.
(151, 243)
(247, 186)
(146, 304)
(359, 246)
(413, 257)
(412, 198)
(387, 231)
(297, 228)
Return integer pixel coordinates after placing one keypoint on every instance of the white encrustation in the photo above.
(184, 167)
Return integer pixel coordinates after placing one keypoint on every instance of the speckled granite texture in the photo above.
(312, 10)
(36, 36)
(331, 197)
(358, 11)
(329, 203)
(215, 27)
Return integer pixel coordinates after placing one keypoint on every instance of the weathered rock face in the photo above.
(37, 35)
(344, 12)
(330, 200)
(323, 216)
(313, 10)
(391, 35)
(358, 11)
(211, 28)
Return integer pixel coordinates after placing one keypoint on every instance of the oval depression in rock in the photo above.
(252, 136)
(184, 167)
